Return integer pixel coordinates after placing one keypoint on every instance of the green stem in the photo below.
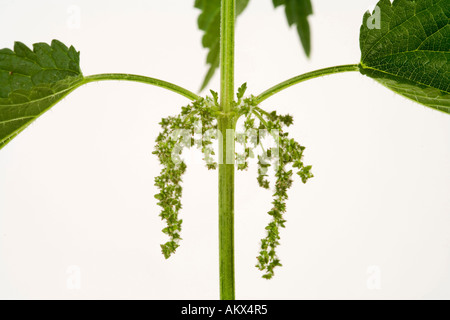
(303, 77)
(260, 118)
(228, 12)
(264, 122)
(226, 209)
(262, 111)
(132, 77)
(227, 125)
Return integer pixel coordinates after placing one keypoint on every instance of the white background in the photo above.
(76, 187)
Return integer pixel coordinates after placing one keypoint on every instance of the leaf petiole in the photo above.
(136, 78)
(303, 77)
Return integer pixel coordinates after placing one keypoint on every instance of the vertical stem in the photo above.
(226, 210)
(226, 148)
(228, 12)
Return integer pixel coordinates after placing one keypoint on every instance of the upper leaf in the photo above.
(209, 22)
(297, 12)
(407, 49)
(33, 81)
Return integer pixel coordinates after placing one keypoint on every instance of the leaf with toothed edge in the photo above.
(409, 52)
(32, 81)
(297, 12)
(209, 22)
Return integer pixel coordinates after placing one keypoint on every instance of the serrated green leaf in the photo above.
(241, 91)
(32, 81)
(409, 51)
(209, 22)
(297, 12)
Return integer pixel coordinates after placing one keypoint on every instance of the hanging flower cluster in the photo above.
(200, 117)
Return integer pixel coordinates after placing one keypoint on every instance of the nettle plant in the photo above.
(404, 46)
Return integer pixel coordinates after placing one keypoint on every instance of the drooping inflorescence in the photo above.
(178, 133)
(200, 117)
(286, 152)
